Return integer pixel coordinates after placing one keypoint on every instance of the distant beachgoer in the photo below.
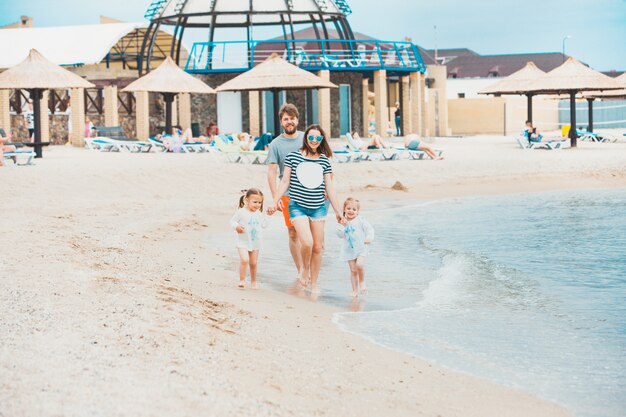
(211, 132)
(89, 127)
(289, 141)
(29, 116)
(531, 132)
(375, 142)
(246, 141)
(357, 234)
(308, 177)
(398, 119)
(413, 143)
(248, 223)
(5, 148)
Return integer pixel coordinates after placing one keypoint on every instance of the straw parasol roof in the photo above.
(275, 74)
(610, 93)
(36, 72)
(515, 83)
(572, 76)
(169, 78)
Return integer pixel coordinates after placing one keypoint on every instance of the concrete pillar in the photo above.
(415, 103)
(324, 103)
(175, 120)
(254, 112)
(423, 115)
(77, 117)
(111, 115)
(184, 110)
(5, 108)
(405, 106)
(439, 104)
(380, 102)
(142, 110)
(45, 117)
(366, 106)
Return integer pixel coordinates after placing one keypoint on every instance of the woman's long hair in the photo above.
(324, 147)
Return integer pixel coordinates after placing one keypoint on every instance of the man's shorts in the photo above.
(285, 200)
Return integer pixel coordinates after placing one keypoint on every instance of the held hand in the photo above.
(280, 205)
(340, 219)
(271, 210)
(240, 229)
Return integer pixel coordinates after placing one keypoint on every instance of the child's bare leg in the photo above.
(360, 268)
(243, 266)
(254, 257)
(354, 277)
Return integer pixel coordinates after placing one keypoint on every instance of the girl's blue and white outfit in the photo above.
(253, 222)
(354, 235)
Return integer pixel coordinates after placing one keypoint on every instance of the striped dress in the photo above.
(307, 187)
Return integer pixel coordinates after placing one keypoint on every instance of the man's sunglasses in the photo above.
(312, 138)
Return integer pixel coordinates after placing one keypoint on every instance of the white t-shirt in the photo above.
(354, 235)
(253, 222)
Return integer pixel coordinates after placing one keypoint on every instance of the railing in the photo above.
(155, 8)
(309, 54)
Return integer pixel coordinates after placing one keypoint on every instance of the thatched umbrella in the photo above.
(592, 95)
(516, 83)
(275, 74)
(169, 80)
(37, 74)
(572, 77)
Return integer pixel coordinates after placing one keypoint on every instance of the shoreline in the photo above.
(117, 295)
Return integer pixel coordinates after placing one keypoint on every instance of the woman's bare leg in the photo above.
(303, 231)
(317, 231)
(429, 151)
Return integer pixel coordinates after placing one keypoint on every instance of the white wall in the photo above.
(469, 86)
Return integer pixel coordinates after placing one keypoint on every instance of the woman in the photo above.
(5, 148)
(308, 176)
(413, 143)
(376, 142)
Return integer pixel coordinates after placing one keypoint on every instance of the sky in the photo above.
(596, 28)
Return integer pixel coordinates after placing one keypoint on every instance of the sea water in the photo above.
(525, 290)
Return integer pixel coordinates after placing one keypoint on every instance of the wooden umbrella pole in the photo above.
(529, 108)
(590, 110)
(572, 118)
(276, 117)
(36, 95)
(169, 99)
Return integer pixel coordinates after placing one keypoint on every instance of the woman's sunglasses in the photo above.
(312, 138)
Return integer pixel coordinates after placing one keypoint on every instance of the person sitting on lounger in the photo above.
(531, 133)
(375, 142)
(413, 143)
(5, 148)
(246, 141)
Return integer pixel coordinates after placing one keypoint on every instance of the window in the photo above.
(461, 95)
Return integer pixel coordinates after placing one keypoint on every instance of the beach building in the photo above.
(105, 54)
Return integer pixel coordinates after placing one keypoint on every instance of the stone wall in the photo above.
(355, 80)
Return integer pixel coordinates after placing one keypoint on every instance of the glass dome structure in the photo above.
(323, 15)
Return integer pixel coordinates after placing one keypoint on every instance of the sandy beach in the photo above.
(114, 304)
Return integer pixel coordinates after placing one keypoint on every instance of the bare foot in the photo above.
(355, 294)
(242, 284)
(363, 289)
(253, 286)
(315, 290)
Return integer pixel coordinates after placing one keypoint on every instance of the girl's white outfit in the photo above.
(354, 235)
(253, 222)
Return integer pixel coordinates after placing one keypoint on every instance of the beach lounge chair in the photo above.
(595, 137)
(25, 156)
(233, 153)
(197, 147)
(116, 135)
(524, 143)
(371, 154)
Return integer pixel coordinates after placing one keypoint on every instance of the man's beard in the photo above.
(290, 130)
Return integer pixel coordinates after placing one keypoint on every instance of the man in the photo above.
(29, 116)
(289, 141)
